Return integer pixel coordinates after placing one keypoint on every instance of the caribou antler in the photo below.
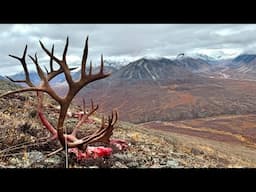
(70, 140)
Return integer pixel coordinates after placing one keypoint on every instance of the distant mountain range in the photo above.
(163, 69)
(208, 58)
(60, 78)
(35, 78)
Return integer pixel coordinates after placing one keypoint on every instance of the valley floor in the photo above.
(230, 137)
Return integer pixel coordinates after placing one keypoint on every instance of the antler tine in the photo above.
(102, 122)
(93, 109)
(15, 81)
(90, 71)
(84, 106)
(101, 135)
(53, 73)
(63, 65)
(51, 59)
(38, 68)
(115, 117)
(91, 77)
(92, 105)
(48, 53)
(65, 50)
(84, 59)
(23, 90)
(23, 56)
(45, 68)
(110, 120)
(101, 64)
(84, 117)
(25, 52)
(24, 65)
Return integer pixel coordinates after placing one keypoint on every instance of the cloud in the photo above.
(121, 40)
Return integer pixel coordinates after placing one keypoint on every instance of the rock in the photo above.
(13, 161)
(156, 160)
(122, 157)
(4, 166)
(35, 156)
(223, 161)
(196, 151)
(162, 162)
(93, 167)
(38, 166)
(54, 160)
(172, 164)
(120, 165)
(155, 165)
(133, 164)
(10, 166)
(19, 163)
(129, 155)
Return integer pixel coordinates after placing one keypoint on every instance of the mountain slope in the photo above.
(244, 58)
(161, 69)
(194, 64)
(242, 67)
(145, 69)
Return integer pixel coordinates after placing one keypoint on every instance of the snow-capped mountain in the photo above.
(117, 63)
(207, 57)
(155, 69)
(213, 57)
(194, 64)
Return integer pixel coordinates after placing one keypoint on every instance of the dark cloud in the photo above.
(122, 40)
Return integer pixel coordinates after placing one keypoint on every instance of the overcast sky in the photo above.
(119, 41)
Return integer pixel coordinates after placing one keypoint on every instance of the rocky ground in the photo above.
(144, 151)
(145, 148)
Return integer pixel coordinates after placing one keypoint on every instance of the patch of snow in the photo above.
(153, 77)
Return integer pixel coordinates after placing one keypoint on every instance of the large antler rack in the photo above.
(70, 140)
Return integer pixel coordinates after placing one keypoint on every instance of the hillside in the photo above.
(144, 101)
(148, 148)
(242, 67)
(232, 135)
